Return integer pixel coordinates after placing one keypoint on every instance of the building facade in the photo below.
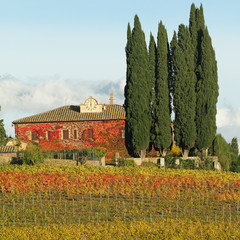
(77, 126)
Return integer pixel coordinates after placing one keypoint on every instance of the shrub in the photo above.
(187, 164)
(149, 164)
(175, 151)
(126, 163)
(207, 164)
(33, 154)
(170, 162)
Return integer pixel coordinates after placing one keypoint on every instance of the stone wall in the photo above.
(5, 160)
(161, 161)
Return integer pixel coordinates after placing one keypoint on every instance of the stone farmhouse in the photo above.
(86, 125)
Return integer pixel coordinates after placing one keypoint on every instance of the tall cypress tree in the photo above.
(162, 116)
(207, 94)
(207, 80)
(137, 92)
(152, 82)
(184, 89)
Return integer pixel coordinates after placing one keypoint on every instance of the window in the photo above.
(49, 135)
(65, 134)
(75, 134)
(90, 133)
(123, 133)
(34, 136)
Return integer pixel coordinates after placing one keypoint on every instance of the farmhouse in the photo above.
(77, 126)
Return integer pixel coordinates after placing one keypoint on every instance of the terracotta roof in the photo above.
(8, 149)
(71, 113)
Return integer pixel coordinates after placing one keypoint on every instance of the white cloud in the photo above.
(228, 123)
(228, 116)
(20, 99)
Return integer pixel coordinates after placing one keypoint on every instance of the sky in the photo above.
(58, 52)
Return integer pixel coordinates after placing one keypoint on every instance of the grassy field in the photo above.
(46, 202)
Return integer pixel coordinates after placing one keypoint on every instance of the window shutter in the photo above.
(65, 134)
(75, 134)
(49, 135)
(34, 136)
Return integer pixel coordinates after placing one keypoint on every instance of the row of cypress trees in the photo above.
(179, 77)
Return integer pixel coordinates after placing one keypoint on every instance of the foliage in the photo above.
(150, 164)
(137, 92)
(175, 151)
(162, 119)
(126, 163)
(170, 162)
(33, 154)
(85, 151)
(207, 79)
(234, 146)
(184, 95)
(45, 202)
(222, 150)
(107, 136)
(152, 69)
(207, 164)
(2, 134)
(136, 229)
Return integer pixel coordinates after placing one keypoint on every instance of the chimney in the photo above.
(111, 99)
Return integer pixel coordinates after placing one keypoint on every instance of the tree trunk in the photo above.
(164, 153)
(143, 153)
(205, 152)
(185, 153)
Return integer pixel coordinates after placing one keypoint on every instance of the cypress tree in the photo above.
(184, 89)
(234, 146)
(152, 68)
(207, 94)
(162, 116)
(207, 80)
(137, 92)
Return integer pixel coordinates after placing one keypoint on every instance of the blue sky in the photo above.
(54, 53)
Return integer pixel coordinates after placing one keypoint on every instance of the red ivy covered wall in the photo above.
(107, 135)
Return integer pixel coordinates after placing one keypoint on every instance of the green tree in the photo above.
(152, 82)
(207, 80)
(33, 154)
(162, 116)
(206, 94)
(234, 146)
(137, 92)
(184, 89)
(222, 150)
(2, 132)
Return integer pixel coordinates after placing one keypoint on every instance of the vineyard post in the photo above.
(24, 204)
(54, 212)
(230, 215)
(223, 214)
(177, 209)
(32, 201)
(73, 208)
(65, 211)
(238, 209)
(14, 213)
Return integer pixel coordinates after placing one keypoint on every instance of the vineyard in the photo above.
(43, 202)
